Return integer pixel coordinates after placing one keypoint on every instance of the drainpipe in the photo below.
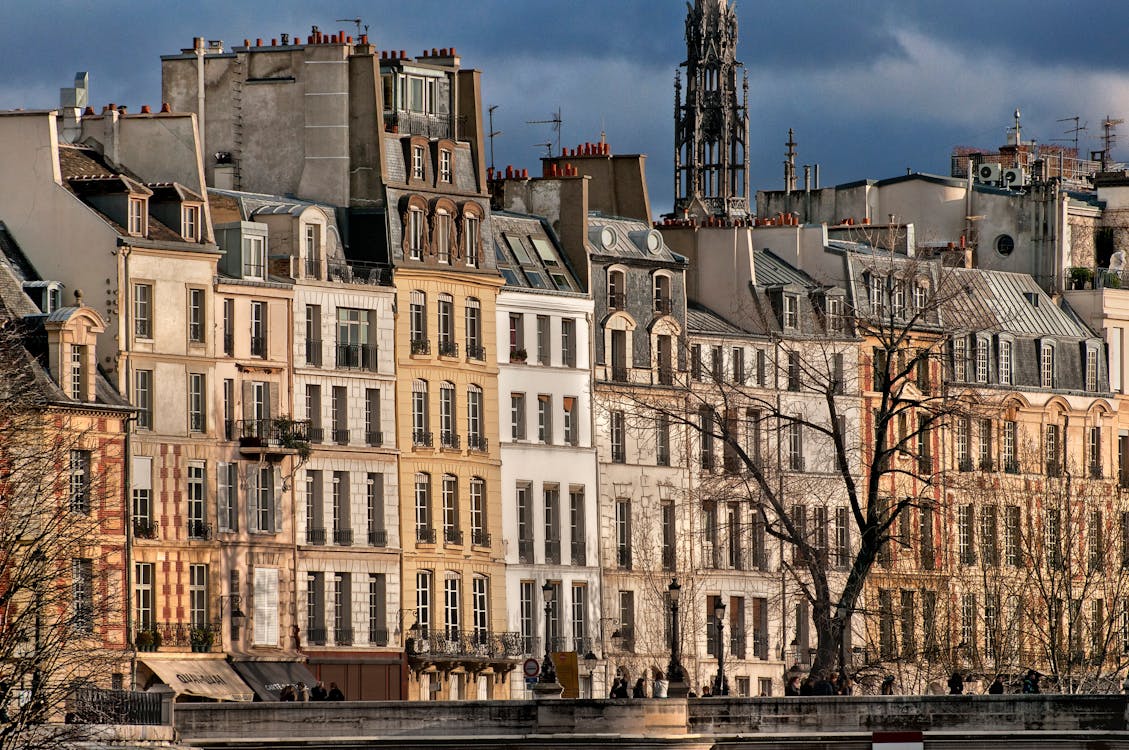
(198, 49)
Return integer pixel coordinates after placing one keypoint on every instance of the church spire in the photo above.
(711, 127)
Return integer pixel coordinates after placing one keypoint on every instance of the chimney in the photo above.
(807, 178)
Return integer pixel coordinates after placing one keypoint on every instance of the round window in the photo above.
(607, 238)
(1005, 244)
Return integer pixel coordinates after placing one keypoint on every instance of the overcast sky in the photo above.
(871, 87)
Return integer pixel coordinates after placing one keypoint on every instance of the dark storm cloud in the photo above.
(871, 86)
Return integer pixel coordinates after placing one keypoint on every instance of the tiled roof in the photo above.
(77, 162)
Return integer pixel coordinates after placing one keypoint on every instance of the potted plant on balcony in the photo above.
(1080, 277)
(293, 434)
(202, 639)
(147, 640)
(518, 355)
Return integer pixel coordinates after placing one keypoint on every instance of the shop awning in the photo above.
(202, 678)
(268, 678)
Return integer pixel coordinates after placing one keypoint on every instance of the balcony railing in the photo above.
(425, 535)
(258, 346)
(448, 348)
(623, 556)
(357, 357)
(476, 351)
(199, 530)
(525, 550)
(313, 352)
(374, 438)
(378, 636)
(421, 346)
(480, 538)
(476, 443)
(343, 636)
(378, 538)
(419, 437)
(145, 528)
(284, 433)
(405, 122)
(343, 537)
(359, 272)
(617, 300)
(123, 707)
(452, 535)
(315, 536)
(449, 439)
(341, 437)
(461, 644)
(317, 434)
(316, 636)
(163, 636)
(579, 553)
(666, 375)
(552, 552)
(313, 267)
(229, 344)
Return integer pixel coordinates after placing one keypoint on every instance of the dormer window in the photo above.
(1047, 365)
(443, 236)
(791, 316)
(662, 294)
(835, 314)
(312, 250)
(472, 240)
(417, 226)
(444, 165)
(616, 290)
(1091, 369)
(78, 358)
(190, 223)
(254, 258)
(136, 217)
(417, 162)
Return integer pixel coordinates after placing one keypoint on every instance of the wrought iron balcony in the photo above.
(374, 438)
(458, 644)
(579, 553)
(258, 346)
(666, 375)
(663, 305)
(313, 352)
(617, 300)
(316, 636)
(315, 536)
(229, 344)
(453, 536)
(199, 530)
(421, 346)
(425, 535)
(378, 636)
(479, 538)
(313, 268)
(421, 438)
(357, 357)
(378, 538)
(343, 636)
(145, 528)
(285, 434)
(448, 348)
(343, 537)
(341, 437)
(317, 434)
(476, 351)
(359, 272)
(552, 552)
(476, 442)
(525, 550)
(176, 636)
(449, 439)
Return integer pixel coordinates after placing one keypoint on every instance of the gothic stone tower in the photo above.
(711, 130)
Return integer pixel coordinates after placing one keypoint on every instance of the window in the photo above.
(479, 537)
(444, 165)
(627, 619)
(339, 408)
(452, 534)
(623, 532)
(618, 438)
(1005, 374)
(1007, 446)
(197, 529)
(227, 488)
(312, 250)
(424, 531)
(254, 258)
(793, 371)
(196, 316)
(982, 360)
(143, 605)
(544, 351)
(570, 420)
(451, 604)
(525, 614)
(898, 299)
(662, 438)
(374, 510)
(552, 525)
(1091, 369)
(315, 510)
(197, 403)
(662, 294)
(417, 321)
(1012, 554)
(577, 525)
(342, 521)
(417, 232)
(989, 553)
(142, 488)
(136, 218)
(373, 432)
(617, 288)
(886, 624)
(423, 601)
(580, 618)
(198, 596)
(877, 294)
(517, 336)
(143, 398)
(229, 326)
(353, 350)
(791, 311)
(737, 369)
(259, 329)
(78, 358)
(568, 342)
(417, 162)
(377, 610)
(842, 551)
(1047, 365)
(524, 522)
(959, 351)
(143, 311)
(1052, 449)
(545, 419)
(517, 416)
(82, 594)
(443, 236)
(960, 440)
(480, 606)
(696, 362)
(835, 314)
(261, 493)
(421, 434)
(664, 359)
(717, 364)
(965, 534)
(448, 437)
(795, 432)
(1094, 450)
(1095, 541)
(476, 440)
(474, 347)
(80, 481)
(908, 623)
(472, 239)
(265, 597)
(446, 311)
(669, 535)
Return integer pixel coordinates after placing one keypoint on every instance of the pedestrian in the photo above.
(639, 691)
(287, 694)
(660, 686)
(1031, 682)
(318, 693)
(823, 685)
(302, 693)
(842, 684)
(619, 687)
(887, 685)
(792, 686)
(956, 684)
(997, 686)
(807, 686)
(706, 692)
(334, 693)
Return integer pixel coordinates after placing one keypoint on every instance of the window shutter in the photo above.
(276, 498)
(252, 497)
(273, 402)
(248, 399)
(265, 595)
(142, 473)
(223, 492)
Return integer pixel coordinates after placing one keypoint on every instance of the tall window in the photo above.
(982, 347)
(472, 240)
(258, 329)
(80, 481)
(1091, 369)
(1007, 446)
(443, 236)
(446, 311)
(342, 609)
(545, 418)
(452, 534)
(1012, 549)
(143, 606)
(196, 402)
(143, 311)
(796, 446)
(577, 526)
(373, 432)
(662, 438)
(451, 604)
(1047, 366)
(82, 594)
(254, 258)
(580, 618)
(618, 437)
(480, 605)
(662, 294)
(669, 539)
(475, 438)
(136, 217)
(229, 326)
(570, 424)
(524, 522)
(227, 491)
(960, 359)
(417, 162)
(444, 165)
(474, 347)
(966, 534)
(423, 600)
(198, 596)
(424, 531)
(78, 358)
(568, 342)
(517, 416)
(544, 350)
(196, 315)
(517, 335)
(1005, 363)
(623, 532)
(262, 492)
(552, 525)
(342, 522)
(417, 232)
(196, 526)
(417, 322)
(791, 311)
(448, 438)
(478, 534)
(525, 616)
(377, 610)
(352, 339)
(421, 434)
(617, 289)
(374, 510)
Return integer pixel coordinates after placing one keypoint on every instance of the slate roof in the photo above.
(703, 321)
(529, 256)
(772, 271)
(630, 240)
(1001, 301)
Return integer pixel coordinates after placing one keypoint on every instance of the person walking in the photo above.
(286, 694)
(997, 686)
(334, 693)
(639, 691)
(887, 686)
(956, 684)
(318, 693)
(1031, 682)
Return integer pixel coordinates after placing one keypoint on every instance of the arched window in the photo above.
(662, 297)
(617, 290)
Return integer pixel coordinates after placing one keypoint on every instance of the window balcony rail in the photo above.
(358, 272)
(378, 538)
(619, 454)
(627, 633)
(317, 434)
(707, 461)
(414, 123)
(924, 464)
(315, 536)
(579, 553)
(668, 557)
(797, 463)
(476, 442)
(760, 645)
(313, 267)
(357, 357)
(617, 300)
(737, 645)
(421, 346)
(518, 355)
(258, 346)
(378, 636)
(480, 538)
(964, 464)
(123, 707)
(374, 438)
(552, 552)
(448, 348)
(420, 437)
(229, 344)
(343, 636)
(449, 439)
(313, 352)
(619, 373)
(663, 305)
(662, 457)
(582, 645)
(476, 352)
(316, 636)
(341, 437)
(229, 429)
(525, 550)
(666, 375)
(1096, 471)
(456, 644)
(343, 537)
(199, 530)
(1054, 469)
(623, 557)
(164, 636)
(425, 535)
(1011, 466)
(452, 535)
(145, 528)
(285, 433)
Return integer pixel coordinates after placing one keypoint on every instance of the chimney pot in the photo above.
(88, 111)
(364, 38)
(246, 42)
(274, 41)
(403, 54)
(443, 52)
(348, 40)
(525, 174)
(452, 52)
(258, 42)
(383, 54)
(165, 107)
(145, 109)
(434, 52)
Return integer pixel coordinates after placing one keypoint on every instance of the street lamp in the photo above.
(590, 662)
(548, 672)
(674, 674)
(720, 686)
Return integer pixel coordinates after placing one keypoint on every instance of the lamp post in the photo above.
(676, 679)
(720, 686)
(590, 662)
(547, 685)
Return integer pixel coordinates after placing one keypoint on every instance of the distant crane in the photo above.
(356, 21)
(555, 121)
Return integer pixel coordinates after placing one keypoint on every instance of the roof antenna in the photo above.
(548, 146)
(492, 133)
(555, 121)
(356, 21)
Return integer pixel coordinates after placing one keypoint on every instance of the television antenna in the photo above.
(555, 121)
(548, 146)
(1074, 130)
(1109, 137)
(358, 23)
(492, 133)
